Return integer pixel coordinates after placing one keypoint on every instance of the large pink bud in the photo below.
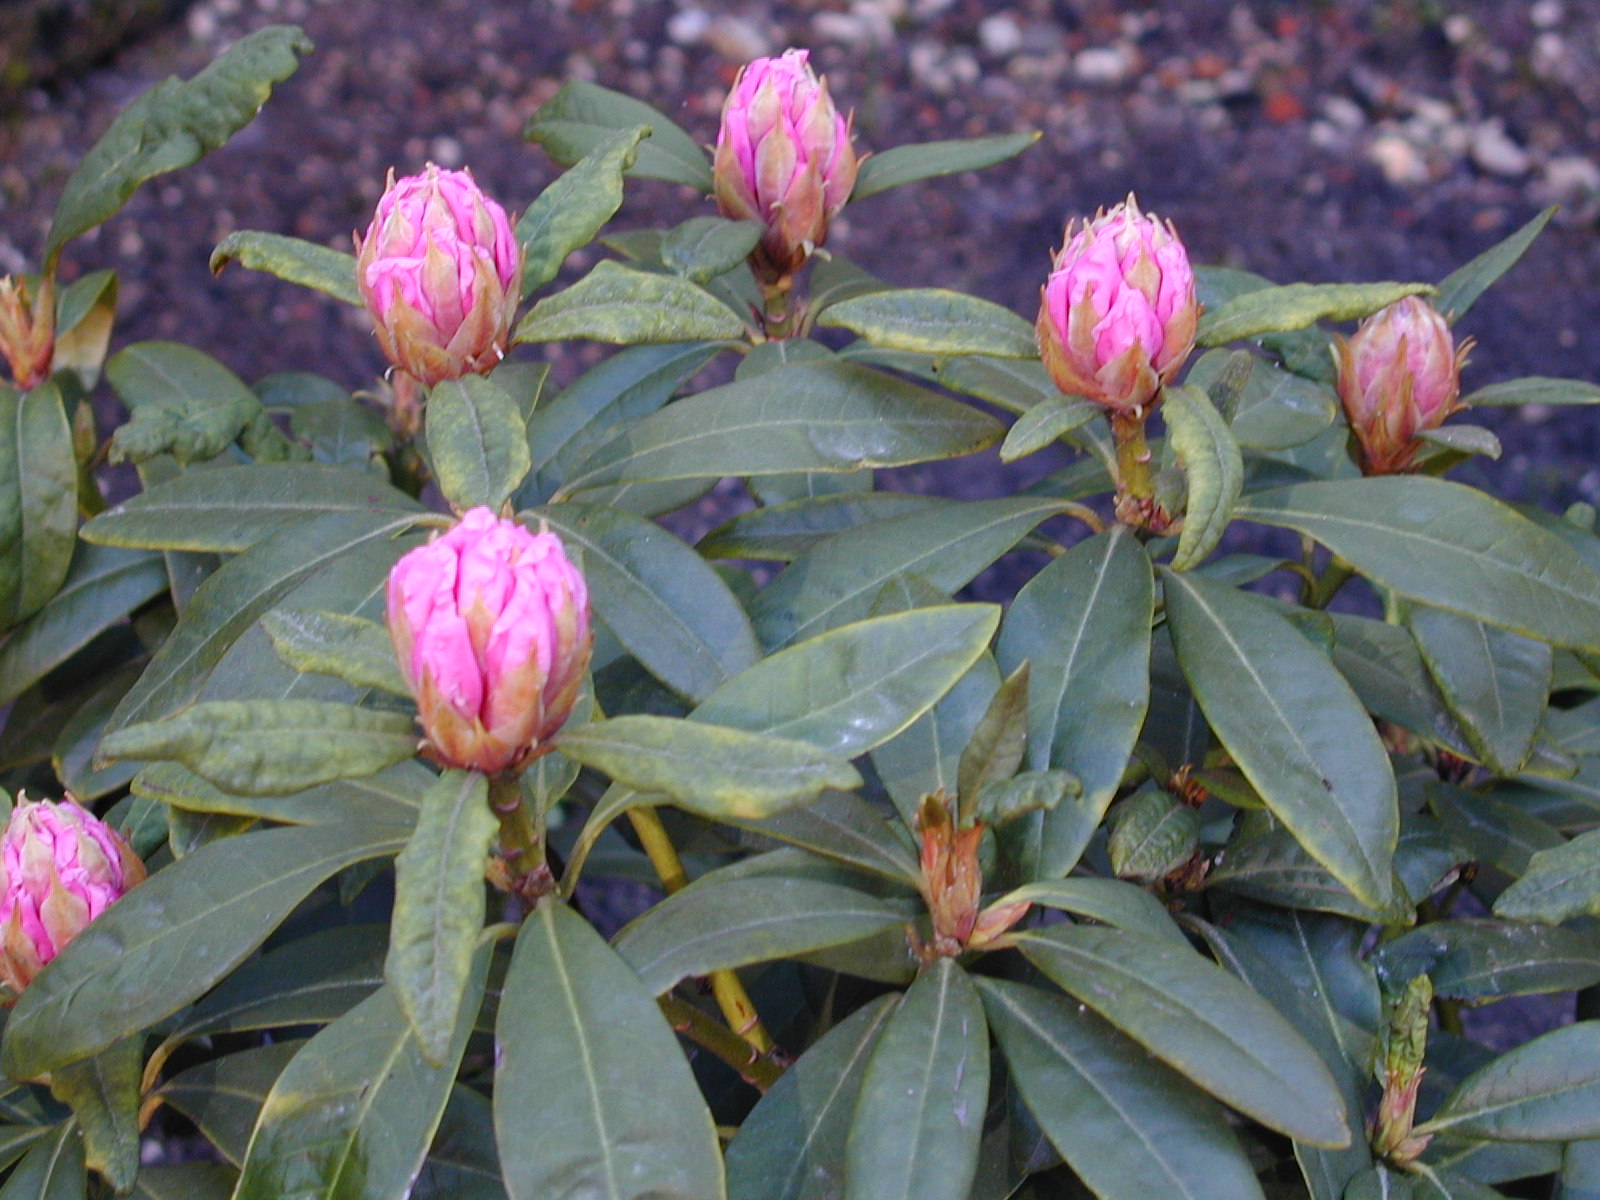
(491, 626)
(441, 272)
(1399, 374)
(1117, 316)
(783, 158)
(60, 868)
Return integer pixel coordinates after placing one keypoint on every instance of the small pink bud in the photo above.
(60, 868)
(441, 272)
(491, 626)
(1117, 316)
(1399, 374)
(28, 329)
(783, 158)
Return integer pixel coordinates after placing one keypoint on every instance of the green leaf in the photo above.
(919, 1119)
(1046, 421)
(1535, 389)
(571, 211)
(184, 403)
(1127, 1125)
(102, 587)
(718, 923)
(786, 530)
(614, 303)
(665, 605)
(1465, 440)
(905, 164)
(1560, 883)
(1546, 1090)
(1496, 683)
(1490, 829)
(186, 1181)
(1483, 960)
(593, 1096)
(1447, 545)
(353, 649)
(353, 1112)
(171, 125)
(332, 272)
(463, 1163)
(843, 827)
(1151, 834)
(995, 750)
(103, 1093)
(708, 769)
(581, 115)
(52, 1170)
(387, 798)
(855, 687)
(1199, 1019)
(223, 1096)
(174, 936)
(1293, 726)
(270, 747)
(1459, 289)
(836, 580)
(1275, 868)
(1212, 465)
(807, 416)
(1384, 666)
(792, 1145)
(230, 509)
(934, 321)
(704, 247)
(1083, 623)
(1277, 409)
(38, 500)
(439, 908)
(86, 309)
(1297, 305)
(476, 442)
(1109, 901)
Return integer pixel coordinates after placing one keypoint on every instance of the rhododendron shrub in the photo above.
(1172, 874)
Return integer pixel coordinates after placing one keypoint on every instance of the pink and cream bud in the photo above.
(1399, 375)
(440, 269)
(1118, 313)
(491, 626)
(60, 868)
(783, 158)
(28, 329)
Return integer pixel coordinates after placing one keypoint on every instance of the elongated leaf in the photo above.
(38, 500)
(792, 1145)
(1212, 465)
(905, 164)
(1083, 623)
(807, 416)
(1449, 546)
(354, 1110)
(919, 1119)
(1546, 1090)
(934, 321)
(1046, 421)
(704, 247)
(1479, 960)
(1491, 830)
(1194, 1016)
(593, 1096)
(1535, 389)
(1459, 289)
(1109, 901)
(837, 580)
(843, 827)
(85, 312)
(172, 125)
(1297, 305)
(439, 909)
(1560, 883)
(614, 303)
(572, 210)
(1382, 663)
(351, 648)
(476, 442)
(223, 1096)
(103, 1093)
(1294, 728)
(387, 798)
(582, 115)
(186, 1181)
(174, 936)
(53, 1169)
(184, 403)
(709, 769)
(1129, 1126)
(1277, 409)
(332, 272)
(784, 531)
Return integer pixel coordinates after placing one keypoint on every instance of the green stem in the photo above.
(1133, 454)
(1338, 573)
(521, 841)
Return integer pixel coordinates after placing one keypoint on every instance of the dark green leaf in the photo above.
(1212, 466)
(1560, 883)
(103, 1093)
(223, 1096)
(186, 1181)
(38, 500)
(387, 798)
(1297, 305)
(614, 303)
(1490, 829)
(353, 649)
(1535, 389)
(582, 115)
(332, 272)
(1464, 440)
(85, 312)
(905, 164)
(1151, 834)
(1482, 960)
(1046, 421)
(1546, 1090)
(52, 1170)
(704, 247)
(1459, 289)
(1109, 901)
(934, 321)
(843, 827)
(1382, 663)
(476, 442)
(571, 211)
(184, 403)
(1277, 409)
(786, 530)
(995, 751)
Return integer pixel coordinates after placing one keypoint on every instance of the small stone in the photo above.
(688, 25)
(1493, 150)
(1546, 14)
(446, 151)
(1000, 35)
(1105, 66)
(1398, 159)
(1571, 178)
(1343, 113)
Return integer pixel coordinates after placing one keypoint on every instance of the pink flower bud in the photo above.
(1399, 374)
(491, 626)
(28, 329)
(441, 272)
(61, 868)
(783, 158)
(1117, 316)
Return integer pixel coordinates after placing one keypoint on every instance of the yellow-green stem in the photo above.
(759, 1071)
(521, 843)
(1133, 454)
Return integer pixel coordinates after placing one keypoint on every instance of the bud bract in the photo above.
(28, 329)
(783, 158)
(491, 626)
(60, 868)
(1118, 314)
(441, 272)
(1399, 374)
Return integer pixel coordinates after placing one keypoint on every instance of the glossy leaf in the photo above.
(1109, 901)
(53, 1169)
(582, 115)
(1546, 1090)
(1382, 663)
(103, 1093)
(1151, 834)
(1212, 466)
(38, 500)
(1276, 409)
(614, 303)
(784, 531)
(386, 798)
(1297, 305)
(1535, 389)
(223, 1096)
(575, 207)
(900, 165)
(310, 264)
(184, 403)
(998, 741)
(1481, 960)
(476, 442)
(1051, 418)
(1560, 883)
(353, 649)
(934, 321)
(844, 827)
(1490, 829)
(704, 247)
(1459, 289)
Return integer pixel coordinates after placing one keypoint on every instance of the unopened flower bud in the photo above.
(783, 158)
(1399, 375)
(441, 272)
(1118, 314)
(952, 885)
(28, 329)
(60, 868)
(491, 626)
